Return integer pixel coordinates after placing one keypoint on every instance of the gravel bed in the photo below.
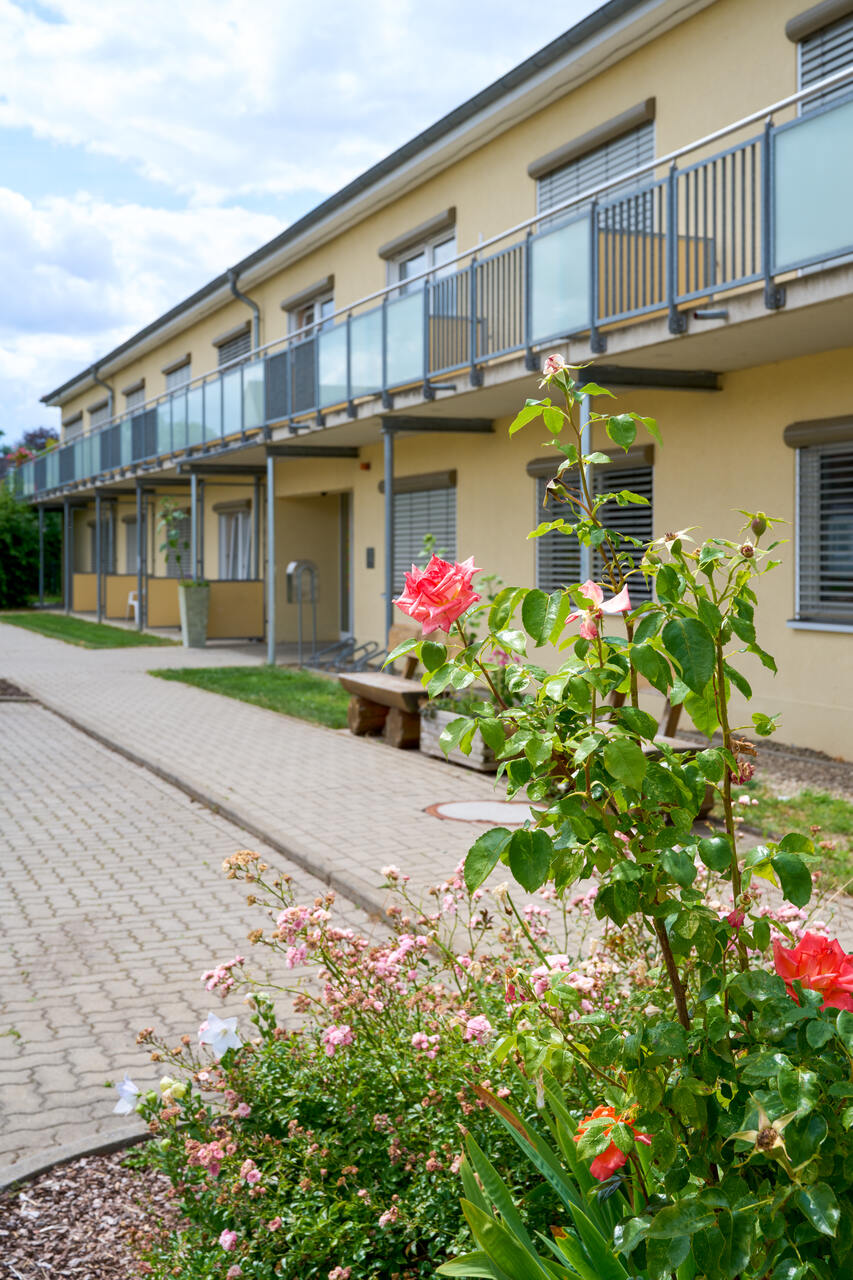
(78, 1221)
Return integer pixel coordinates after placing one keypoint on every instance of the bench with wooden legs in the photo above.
(384, 703)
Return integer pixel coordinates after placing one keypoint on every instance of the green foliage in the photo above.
(19, 551)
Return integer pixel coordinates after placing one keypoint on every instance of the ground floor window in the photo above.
(825, 533)
(131, 558)
(558, 555)
(107, 545)
(421, 513)
(179, 560)
(235, 544)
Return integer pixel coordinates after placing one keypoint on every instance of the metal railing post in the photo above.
(597, 343)
(271, 560)
(427, 392)
(41, 555)
(774, 294)
(386, 399)
(194, 526)
(677, 321)
(350, 405)
(98, 555)
(67, 553)
(530, 361)
(388, 455)
(475, 375)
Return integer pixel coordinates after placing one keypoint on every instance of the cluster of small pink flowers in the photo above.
(290, 921)
(221, 977)
(273, 1224)
(340, 1273)
(250, 1172)
(209, 1155)
(478, 1028)
(335, 1036)
(389, 1216)
(295, 956)
(228, 1240)
(233, 1272)
(537, 920)
(424, 1043)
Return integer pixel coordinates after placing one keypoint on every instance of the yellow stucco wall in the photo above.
(753, 63)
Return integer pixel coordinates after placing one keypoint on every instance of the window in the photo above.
(107, 545)
(179, 564)
(618, 155)
(131, 561)
(417, 513)
(436, 254)
(233, 348)
(558, 559)
(72, 428)
(311, 316)
(178, 376)
(825, 533)
(135, 398)
(821, 54)
(235, 544)
(99, 414)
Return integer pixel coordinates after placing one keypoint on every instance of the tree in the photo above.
(19, 551)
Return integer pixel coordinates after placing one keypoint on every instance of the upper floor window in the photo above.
(233, 345)
(134, 397)
(824, 519)
(178, 375)
(310, 309)
(822, 52)
(72, 428)
(430, 246)
(99, 414)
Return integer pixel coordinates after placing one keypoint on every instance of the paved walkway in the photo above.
(113, 905)
(338, 805)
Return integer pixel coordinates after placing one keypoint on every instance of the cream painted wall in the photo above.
(727, 60)
(307, 528)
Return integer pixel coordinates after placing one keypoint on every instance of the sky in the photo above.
(147, 145)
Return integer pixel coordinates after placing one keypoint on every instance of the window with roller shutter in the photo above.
(234, 348)
(821, 54)
(619, 155)
(419, 512)
(825, 533)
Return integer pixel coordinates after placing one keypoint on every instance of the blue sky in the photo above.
(146, 145)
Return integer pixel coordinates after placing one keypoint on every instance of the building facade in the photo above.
(662, 193)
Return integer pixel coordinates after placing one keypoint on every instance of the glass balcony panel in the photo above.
(813, 167)
(163, 412)
(195, 416)
(213, 409)
(125, 447)
(179, 420)
(253, 395)
(333, 365)
(52, 469)
(559, 281)
(232, 402)
(366, 352)
(405, 340)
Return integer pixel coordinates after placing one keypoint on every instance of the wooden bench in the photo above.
(384, 703)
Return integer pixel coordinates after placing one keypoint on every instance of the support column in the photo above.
(200, 534)
(194, 526)
(388, 441)
(98, 555)
(66, 551)
(270, 560)
(140, 543)
(256, 530)
(586, 447)
(41, 556)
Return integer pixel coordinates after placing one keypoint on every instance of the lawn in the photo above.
(305, 695)
(89, 635)
(774, 816)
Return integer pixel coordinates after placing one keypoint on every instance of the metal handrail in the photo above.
(590, 195)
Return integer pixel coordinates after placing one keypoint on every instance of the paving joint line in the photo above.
(305, 861)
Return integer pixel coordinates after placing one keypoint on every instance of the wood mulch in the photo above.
(9, 690)
(86, 1220)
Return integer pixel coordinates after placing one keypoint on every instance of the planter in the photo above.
(194, 604)
(482, 758)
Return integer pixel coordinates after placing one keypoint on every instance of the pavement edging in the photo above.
(24, 1171)
(373, 906)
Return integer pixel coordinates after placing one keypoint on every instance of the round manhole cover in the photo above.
(497, 813)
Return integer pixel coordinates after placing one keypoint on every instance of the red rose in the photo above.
(606, 1164)
(820, 965)
(438, 595)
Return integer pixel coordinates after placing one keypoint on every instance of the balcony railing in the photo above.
(764, 207)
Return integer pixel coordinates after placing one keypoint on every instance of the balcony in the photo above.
(748, 217)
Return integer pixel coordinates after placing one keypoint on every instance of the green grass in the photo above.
(319, 699)
(774, 816)
(90, 635)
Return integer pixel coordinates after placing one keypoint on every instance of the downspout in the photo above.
(97, 378)
(242, 297)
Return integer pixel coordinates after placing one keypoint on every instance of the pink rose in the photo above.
(479, 1029)
(820, 965)
(592, 592)
(554, 364)
(438, 595)
(228, 1240)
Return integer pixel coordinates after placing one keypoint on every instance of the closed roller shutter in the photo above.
(620, 155)
(234, 348)
(416, 514)
(825, 533)
(822, 54)
(558, 555)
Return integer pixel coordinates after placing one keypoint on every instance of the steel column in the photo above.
(388, 442)
(774, 295)
(194, 526)
(586, 447)
(200, 535)
(41, 556)
(98, 555)
(677, 321)
(271, 561)
(139, 566)
(256, 530)
(597, 343)
(66, 551)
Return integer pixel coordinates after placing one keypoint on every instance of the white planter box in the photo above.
(482, 758)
